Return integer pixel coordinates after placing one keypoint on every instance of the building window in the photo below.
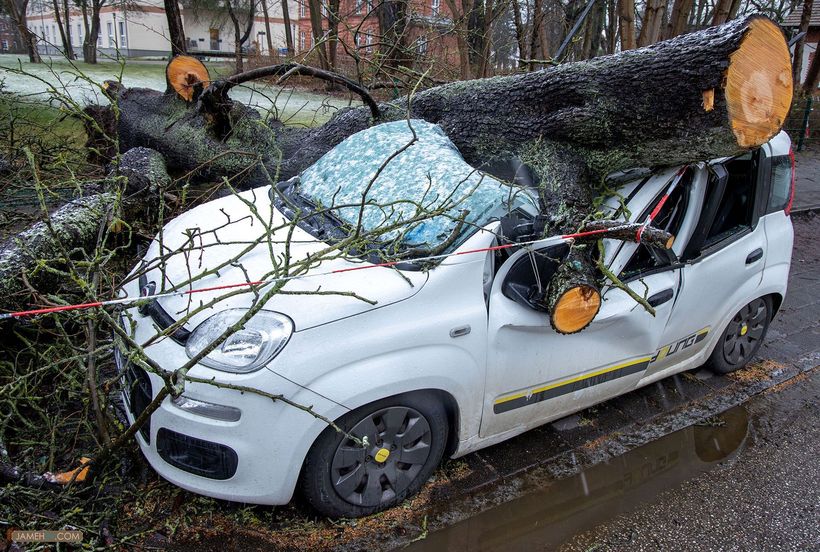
(368, 42)
(435, 7)
(362, 6)
(303, 9)
(111, 42)
(123, 40)
(302, 40)
(79, 35)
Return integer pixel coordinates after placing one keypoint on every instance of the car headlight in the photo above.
(245, 350)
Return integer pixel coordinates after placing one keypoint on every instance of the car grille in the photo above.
(137, 392)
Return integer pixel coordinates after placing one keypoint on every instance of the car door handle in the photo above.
(660, 298)
(754, 256)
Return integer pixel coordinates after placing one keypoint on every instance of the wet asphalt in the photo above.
(765, 498)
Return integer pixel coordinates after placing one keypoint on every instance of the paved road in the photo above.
(767, 498)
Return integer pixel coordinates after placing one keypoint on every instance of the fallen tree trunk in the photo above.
(713, 93)
(33, 262)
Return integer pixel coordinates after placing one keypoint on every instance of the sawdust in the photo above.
(759, 371)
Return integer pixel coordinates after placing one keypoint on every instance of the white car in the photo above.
(445, 358)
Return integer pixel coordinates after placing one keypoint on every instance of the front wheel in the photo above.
(742, 337)
(406, 437)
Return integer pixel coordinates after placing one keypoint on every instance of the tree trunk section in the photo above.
(288, 30)
(797, 65)
(626, 21)
(678, 22)
(176, 31)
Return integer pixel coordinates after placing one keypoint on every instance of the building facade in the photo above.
(792, 22)
(139, 28)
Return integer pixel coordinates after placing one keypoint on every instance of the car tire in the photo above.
(407, 435)
(742, 337)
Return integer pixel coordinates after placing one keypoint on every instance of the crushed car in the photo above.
(417, 359)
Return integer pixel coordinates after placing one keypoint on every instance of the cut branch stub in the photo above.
(574, 298)
(759, 84)
(633, 232)
(183, 74)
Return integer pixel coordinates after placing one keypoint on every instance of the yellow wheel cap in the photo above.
(382, 455)
(744, 329)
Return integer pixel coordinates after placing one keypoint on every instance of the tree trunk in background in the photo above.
(626, 22)
(520, 34)
(176, 31)
(64, 25)
(651, 22)
(813, 76)
(90, 42)
(592, 31)
(288, 30)
(17, 11)
(319, 45)
(537, 45)
(679, 20)
(797, 63)
(722, 10)
(612, 26)
(393, 20)
(332, 35)
(67, 12)
(266, 17)
(240, 37)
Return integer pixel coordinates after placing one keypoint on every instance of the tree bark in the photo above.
(17, 12)
(797, 64)
(288, 30)
(240, 36)
(317, 30)
(176, 31)
(67, 51)
(651, 23)
(93, 31)
(626, 20)
(266, 17)
(722, 10)
(679, 20)
(813, 76)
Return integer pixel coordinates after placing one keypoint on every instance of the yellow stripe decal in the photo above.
(540, 393)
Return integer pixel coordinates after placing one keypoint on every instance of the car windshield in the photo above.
(415, 191)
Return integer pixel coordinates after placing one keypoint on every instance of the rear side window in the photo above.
(781, 186)
(736, 206)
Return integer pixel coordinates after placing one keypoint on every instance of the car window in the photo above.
(736, 204)
(670, 218)
(781, 183)
(408, 170)
(530, 275)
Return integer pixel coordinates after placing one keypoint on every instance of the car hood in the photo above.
(214, 245)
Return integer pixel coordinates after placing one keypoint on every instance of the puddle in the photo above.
(546, 518)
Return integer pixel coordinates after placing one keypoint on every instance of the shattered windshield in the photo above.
(415, 191)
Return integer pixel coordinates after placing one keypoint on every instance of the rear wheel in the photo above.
(406, 438)
(742, 337)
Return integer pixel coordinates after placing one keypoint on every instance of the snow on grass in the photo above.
(57, 76)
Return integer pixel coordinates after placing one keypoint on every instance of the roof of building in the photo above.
(793, 19)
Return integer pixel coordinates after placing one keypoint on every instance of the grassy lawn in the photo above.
(80, 82)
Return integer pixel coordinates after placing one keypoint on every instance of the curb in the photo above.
(805, 210)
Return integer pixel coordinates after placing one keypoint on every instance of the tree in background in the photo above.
(17, 11)
(92, 27)
(64, 24)
(176, 31)
(241, 13)
(797, 65)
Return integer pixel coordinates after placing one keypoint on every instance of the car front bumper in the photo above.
(256, 459)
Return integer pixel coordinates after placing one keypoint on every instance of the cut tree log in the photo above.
(708, 94)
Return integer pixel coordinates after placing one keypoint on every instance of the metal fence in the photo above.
(803, 122)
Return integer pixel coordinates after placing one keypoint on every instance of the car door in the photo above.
(535, 374)
(723, 265)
